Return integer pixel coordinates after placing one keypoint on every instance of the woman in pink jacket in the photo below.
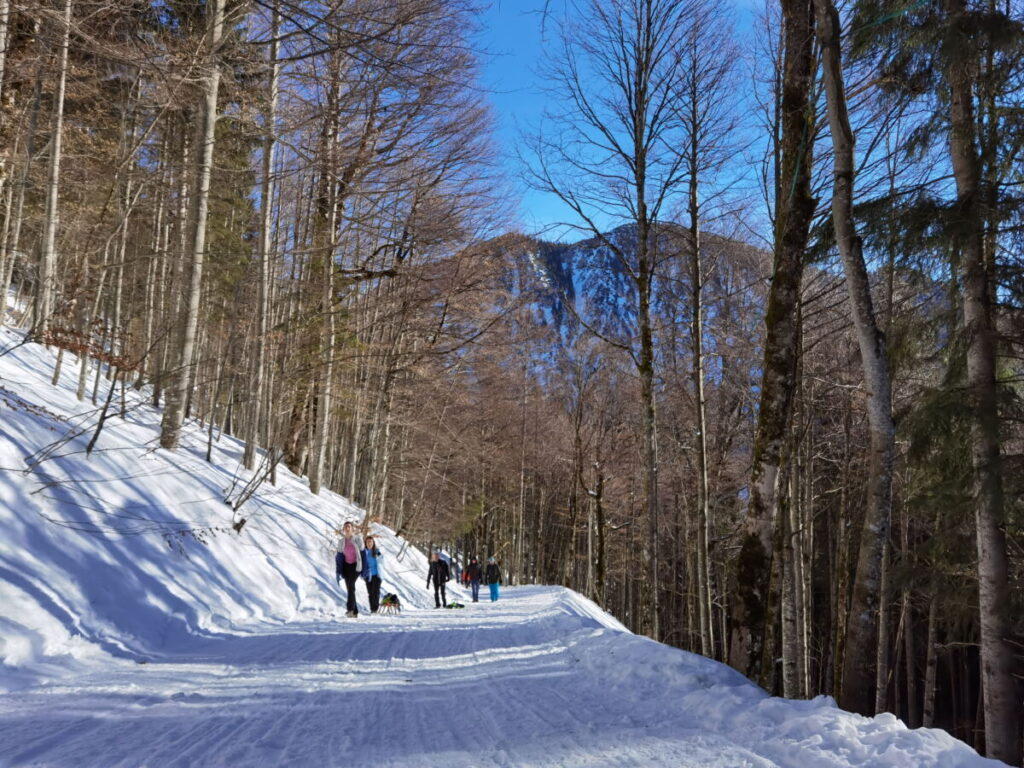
(348, 563)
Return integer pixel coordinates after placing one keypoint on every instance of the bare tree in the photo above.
(708, 114)
(615, 156)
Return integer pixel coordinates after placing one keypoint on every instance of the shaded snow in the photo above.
(137, 628)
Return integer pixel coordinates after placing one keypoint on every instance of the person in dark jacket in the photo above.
(439, 574)
(472, 576)
(493, 576)
(348, 562)
(371, 572)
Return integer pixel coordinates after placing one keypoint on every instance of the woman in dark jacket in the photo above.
(348, 563)
(439, 574)
(493, 576)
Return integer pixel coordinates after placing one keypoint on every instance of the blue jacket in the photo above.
(371, 557)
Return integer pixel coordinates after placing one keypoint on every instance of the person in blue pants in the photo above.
(371, 572)
(493, 576)
(471, 576)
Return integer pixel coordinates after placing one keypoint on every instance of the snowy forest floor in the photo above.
(137, 628)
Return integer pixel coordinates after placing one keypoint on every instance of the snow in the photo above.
(138, 628)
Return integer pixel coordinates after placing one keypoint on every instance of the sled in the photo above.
(390, 605)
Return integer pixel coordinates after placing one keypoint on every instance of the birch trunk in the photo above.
(177, 392)
(48, 255)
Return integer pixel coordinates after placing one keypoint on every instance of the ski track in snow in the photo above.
(125, 642)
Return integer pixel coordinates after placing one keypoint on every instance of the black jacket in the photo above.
(473, 572)
(493, 574)
(438, 572)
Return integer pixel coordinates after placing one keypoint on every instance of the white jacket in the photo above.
(357, 540)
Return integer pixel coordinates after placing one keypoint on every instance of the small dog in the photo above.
(390, 605)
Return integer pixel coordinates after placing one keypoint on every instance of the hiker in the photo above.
(439, 574)
(493, 576)
(472, 577)
(371, 572)
(348, 563)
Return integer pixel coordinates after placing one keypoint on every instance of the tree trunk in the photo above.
(882, 665)
(930, 666)
(1000, 705)
(789, 610)
(645, 369)
(177, 393)
(48, 255)
(913, 702)
(325, 389)
(794, 210)
(5, 13)
(855, 693)
(264, 248)
(14, 243)
(707, 639)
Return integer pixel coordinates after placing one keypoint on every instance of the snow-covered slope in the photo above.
(138, 628)
(130, 552)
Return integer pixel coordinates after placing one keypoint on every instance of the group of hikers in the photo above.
(355, 557)
(439, 574)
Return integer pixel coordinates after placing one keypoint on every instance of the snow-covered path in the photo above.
(535, 679)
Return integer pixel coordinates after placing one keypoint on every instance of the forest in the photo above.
(760, 396)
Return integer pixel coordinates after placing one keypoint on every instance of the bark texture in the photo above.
(794, 209)
(1000, 703)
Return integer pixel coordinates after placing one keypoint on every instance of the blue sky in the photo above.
(512, 41)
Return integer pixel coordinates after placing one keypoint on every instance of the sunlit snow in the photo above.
(137, 628)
